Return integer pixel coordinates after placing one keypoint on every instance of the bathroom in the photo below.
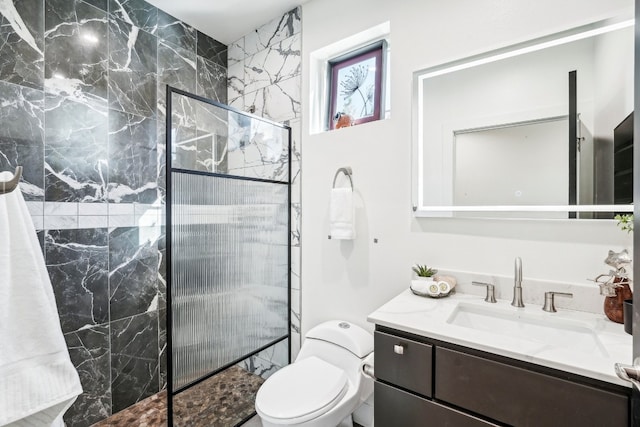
(96, 193)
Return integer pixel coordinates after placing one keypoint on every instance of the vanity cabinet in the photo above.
(435, 383)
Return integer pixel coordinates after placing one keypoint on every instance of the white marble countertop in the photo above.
(432, 318)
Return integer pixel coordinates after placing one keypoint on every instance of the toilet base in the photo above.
(347, 422)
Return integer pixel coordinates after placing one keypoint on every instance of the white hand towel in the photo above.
(342, 216)
(36, 373)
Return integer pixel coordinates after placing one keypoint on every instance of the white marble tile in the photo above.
(235, 52)
(296, 214)
(296, 188)
(60, 208)
(295, 266)
(273, 32)
(295, 310)
(147, 209)
(93, 221)
(296, 137)
(275, 64)
(35, 208)
(235, 80)
(296, 341)
(60, 222)
(93, 209)
(150, 219)
(116, 221)
(277, 102)
(259, 366)
(121, 209)
(38, 222)
(237, 103)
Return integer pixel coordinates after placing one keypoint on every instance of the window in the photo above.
(356, 86)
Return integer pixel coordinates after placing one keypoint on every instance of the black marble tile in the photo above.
(22, 42)
(162, 347)
(133, 276)
(162, 269)
(77, 262)
(76, 54)
(40, 235)
(185, 148)
(22, 136)
(132, 69)
(212, 50)
(135, 12)
(133, 158)
(176, 32)
(134, 359)
(89, 351)
(212, 80)
(131, 49)
(133, 92)
(162, 158)
(75, 151)
(177, 68)
(100, 4)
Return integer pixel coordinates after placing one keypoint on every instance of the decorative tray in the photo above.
(425, 294)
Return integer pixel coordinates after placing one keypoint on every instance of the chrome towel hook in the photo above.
(12, 184)
(345, 170)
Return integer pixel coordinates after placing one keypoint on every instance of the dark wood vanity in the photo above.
(426, 382)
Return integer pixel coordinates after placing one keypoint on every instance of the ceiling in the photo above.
(226, 20)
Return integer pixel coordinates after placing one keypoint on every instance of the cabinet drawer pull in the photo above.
(398, 349)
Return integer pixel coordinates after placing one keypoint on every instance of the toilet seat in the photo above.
(301, 391)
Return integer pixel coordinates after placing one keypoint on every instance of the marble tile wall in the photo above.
(83, 88)
(264, 77)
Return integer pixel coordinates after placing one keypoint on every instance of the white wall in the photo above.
(351, 279)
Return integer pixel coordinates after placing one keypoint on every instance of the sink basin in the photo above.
(542, 328)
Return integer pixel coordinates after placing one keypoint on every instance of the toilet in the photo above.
(325, 384)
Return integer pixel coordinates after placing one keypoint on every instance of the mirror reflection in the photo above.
(530, 130)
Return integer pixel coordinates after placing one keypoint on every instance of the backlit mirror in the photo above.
(542, 129)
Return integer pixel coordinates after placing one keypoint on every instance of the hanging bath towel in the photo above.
(38, 382)
(342, 214)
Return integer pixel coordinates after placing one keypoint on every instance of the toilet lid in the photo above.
(301, 391)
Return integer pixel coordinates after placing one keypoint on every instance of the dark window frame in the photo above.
(376, 51)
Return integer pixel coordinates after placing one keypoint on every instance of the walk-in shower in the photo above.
(228, 255)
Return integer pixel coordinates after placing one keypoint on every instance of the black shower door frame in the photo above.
(171, 392)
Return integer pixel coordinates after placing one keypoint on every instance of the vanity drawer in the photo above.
(407, 410)
(520, 397)
(403, 362)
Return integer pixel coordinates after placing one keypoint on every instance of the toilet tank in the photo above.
(338, 342)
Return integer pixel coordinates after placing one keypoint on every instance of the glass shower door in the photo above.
(228, 224)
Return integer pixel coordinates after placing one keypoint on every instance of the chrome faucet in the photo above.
(517, 285)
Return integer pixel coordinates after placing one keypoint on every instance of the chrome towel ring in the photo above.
(12, 184)
(345, 170)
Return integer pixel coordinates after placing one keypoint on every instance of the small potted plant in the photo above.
(423, 272)
(625, 222)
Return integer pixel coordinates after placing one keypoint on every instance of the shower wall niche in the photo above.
(228, 254)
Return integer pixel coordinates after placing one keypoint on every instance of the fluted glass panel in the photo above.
(229, 270)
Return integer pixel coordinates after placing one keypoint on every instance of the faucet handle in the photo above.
(549, 305)
(491, 291)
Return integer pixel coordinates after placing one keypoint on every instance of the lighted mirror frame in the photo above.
(419, 208)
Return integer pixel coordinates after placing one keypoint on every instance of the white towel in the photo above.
(342, 217)
(38, 382)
